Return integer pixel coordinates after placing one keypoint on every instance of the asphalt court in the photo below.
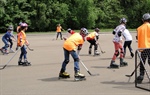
(42, 77)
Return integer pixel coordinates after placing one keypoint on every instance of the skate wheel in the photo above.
(79, 79)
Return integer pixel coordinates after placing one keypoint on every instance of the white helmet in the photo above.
(123, 20)
(146, 16)
(69, 30)
(10, 27)
(84, 31)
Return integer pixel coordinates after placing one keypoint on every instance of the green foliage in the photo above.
(44, 15)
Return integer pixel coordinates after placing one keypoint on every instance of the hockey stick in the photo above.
(88, 70)
(9, 60)
(133, 71)
(30, 48)
(100, 48)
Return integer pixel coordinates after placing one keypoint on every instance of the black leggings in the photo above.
(59, 33)
(127, 44)
(144, 54)
(92, 42)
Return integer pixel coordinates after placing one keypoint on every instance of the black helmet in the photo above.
(123, 20)
(97, 29)
(146, 16)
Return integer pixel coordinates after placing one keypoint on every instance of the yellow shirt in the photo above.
(91, 35)
(143, 33)
(73, 41)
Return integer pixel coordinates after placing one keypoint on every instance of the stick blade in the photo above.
(2, 67)
(128, 75)
(32, 49)
(95, 74)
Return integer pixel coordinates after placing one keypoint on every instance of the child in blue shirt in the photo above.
(7, 36)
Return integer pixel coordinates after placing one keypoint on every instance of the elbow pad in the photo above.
(119, 33)
(97, 37)
(113, 32)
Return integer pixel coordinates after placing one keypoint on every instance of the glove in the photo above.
(16, 48)
(79, 48)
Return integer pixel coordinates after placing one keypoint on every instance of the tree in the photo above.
(110, 12)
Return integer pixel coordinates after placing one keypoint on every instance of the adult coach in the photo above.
(143, 37)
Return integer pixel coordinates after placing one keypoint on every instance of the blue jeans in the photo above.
(23, 52)
(66, 60)
(6, 43)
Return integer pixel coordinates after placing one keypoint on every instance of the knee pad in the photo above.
(121, 50)
(116, 52)
(76, 59)
(66, 61)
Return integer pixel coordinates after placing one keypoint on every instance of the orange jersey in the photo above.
(91, 36)
(144, 35)
(73, 41)
(58, 29)
(21, 38)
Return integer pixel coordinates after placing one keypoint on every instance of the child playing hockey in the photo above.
(69, 47)
(92, 38)
(58, 30)
(117, 40)
(6, 38)
(128, 40)
(22, 43)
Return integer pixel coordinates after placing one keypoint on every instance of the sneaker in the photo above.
(64, 75)
(79, 75)
(20, 62)
(113, 65)
(6, 52)
(90, 51)
(139, 79)
(123, 63)
(96, 52)
(132, 54)
(26, 63)
(11, 51)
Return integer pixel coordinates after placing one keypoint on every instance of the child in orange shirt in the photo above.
(92, 38)
(58, 30)
(70, 46)
(22, 42)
